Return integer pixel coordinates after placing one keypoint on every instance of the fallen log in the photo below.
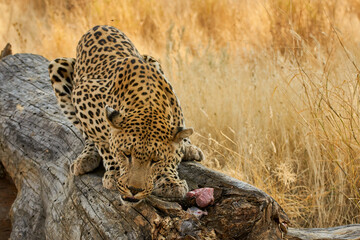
(348, 232)
(38, 145)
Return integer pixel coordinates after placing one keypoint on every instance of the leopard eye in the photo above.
(154, 160)
(127, 155)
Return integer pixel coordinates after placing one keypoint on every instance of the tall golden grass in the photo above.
(271, 87)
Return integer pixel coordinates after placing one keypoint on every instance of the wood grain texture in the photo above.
(348, 232)
(37, 146)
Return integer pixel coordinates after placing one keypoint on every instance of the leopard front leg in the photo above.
(88, 160)
(111, 167)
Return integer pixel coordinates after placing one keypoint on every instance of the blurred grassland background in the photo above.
(271, 86)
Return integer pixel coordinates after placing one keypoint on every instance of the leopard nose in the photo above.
(135, 190)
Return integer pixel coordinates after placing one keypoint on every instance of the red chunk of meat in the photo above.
(204, 196)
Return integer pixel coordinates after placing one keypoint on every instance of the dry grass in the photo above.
(272, 87)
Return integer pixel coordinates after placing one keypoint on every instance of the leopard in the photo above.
(128, 114)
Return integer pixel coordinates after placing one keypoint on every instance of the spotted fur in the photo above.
(128, 113)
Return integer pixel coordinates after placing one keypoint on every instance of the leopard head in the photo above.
(147, 150)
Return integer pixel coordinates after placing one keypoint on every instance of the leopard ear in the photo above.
(114, 118)
(182, 133)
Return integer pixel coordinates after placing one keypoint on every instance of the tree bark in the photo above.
(348, 232)
(37, 146)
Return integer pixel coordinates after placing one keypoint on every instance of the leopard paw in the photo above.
(108, 180)
(193, 153)
(171, 192)
(85, 162)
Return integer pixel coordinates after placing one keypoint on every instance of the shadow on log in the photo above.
(37, 147)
